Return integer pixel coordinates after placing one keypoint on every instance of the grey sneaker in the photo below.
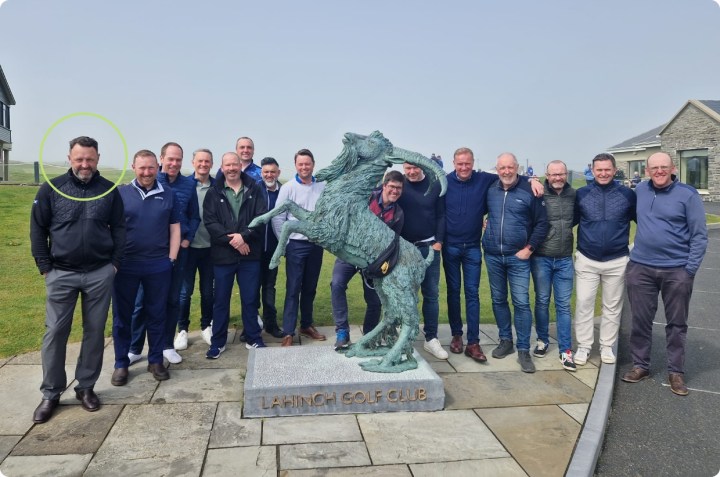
(503, 349)
(525, 361)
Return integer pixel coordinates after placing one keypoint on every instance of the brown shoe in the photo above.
(89, 400)
(312, 332)
(159, 371)
(119, 377)
(287, 341)
(635, 375)
(677, 384)
(456, 344)
(475, 352)
(45, 410)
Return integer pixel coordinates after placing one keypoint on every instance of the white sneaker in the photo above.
(172, 356)
(606, 355)
(207, 335)
(581, 356)
(435, 348)
(134, 358)
(180, 342)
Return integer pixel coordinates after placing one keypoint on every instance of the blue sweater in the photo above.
(186, 202)
(516, 218)
(671, 230)
(465, 207)
(603, 214)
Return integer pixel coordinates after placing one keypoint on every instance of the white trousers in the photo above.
(589, 274)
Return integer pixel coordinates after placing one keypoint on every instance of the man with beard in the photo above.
(77, 245)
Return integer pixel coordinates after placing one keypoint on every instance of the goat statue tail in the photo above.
(430, 257)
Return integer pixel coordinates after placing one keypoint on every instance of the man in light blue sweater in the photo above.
(670, 244)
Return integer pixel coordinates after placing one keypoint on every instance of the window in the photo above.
(636, 166)
(694, 168)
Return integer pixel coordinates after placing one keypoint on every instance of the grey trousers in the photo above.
(63, 288)
(644, 284)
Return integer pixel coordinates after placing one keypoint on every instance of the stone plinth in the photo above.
(306, 380)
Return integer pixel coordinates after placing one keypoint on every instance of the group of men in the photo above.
(144, 243)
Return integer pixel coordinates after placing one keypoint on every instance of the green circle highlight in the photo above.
(60, 121)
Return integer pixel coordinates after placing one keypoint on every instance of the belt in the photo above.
(424, 243)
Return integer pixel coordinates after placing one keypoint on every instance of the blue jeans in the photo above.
(303, 260)
(468, 257)
(247, 275)
(342, 274)
(198, 260)
(501, 271)
(430, 289)
(554, 275)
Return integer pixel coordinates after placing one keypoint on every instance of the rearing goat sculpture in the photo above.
(343, 224)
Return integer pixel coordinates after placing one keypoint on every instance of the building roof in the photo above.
(6, 87)
(708, 106)
(640, 142)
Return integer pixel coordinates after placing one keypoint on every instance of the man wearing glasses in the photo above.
(552, 265)
(669, 246)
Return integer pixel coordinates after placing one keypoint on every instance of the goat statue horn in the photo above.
(429, 167)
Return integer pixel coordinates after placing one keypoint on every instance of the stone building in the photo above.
(6, 100)
(691, 137)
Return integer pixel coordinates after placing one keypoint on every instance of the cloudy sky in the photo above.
(551, 79)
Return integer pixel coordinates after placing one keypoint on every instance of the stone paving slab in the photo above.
(19, 395)
(6, 445)
(234, 357)
(231, 430)
(442, 367)
(71, 465)
(308, 429)
(245, 461)
(34, 357)
(374, 471)
(325, 454)
(505, 389)
(176, 446)
(72, 430)
(206, 385)
(576, 411)
(506, 467)
(442, 436)
(587, 374)
(540, 438)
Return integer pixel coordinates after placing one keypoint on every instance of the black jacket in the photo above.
(77, 235)
(220, 221)
(560, 213)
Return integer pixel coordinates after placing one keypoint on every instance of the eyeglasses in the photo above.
(653, 170)
(392, 187)
(558, 175)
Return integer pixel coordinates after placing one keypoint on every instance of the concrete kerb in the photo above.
(587, 449)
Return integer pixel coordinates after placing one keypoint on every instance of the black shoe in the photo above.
(503, 349)
(45, 410)
(275, 332)
(243, 338)
(526, 364)
(89, 400)
(541, 349)
(119, 377)
(159, 371)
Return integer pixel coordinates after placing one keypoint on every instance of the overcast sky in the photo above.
(543, 79)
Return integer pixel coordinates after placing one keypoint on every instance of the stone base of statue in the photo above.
(308, 380)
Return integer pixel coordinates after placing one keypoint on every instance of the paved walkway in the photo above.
(497, 421)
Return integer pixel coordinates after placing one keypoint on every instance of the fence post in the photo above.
(36, 167)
